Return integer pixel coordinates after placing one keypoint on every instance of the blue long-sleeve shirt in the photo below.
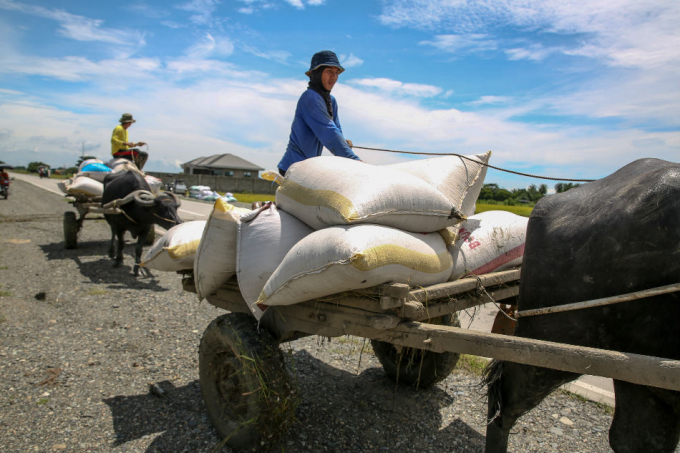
(313, 129)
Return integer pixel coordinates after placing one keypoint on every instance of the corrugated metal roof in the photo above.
(223, 161)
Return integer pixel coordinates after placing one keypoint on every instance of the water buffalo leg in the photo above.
(112, 245)
(120, 236)
(645, 419)
(515, 389)
(141, 240)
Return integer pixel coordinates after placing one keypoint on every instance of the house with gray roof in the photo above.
(222, 165)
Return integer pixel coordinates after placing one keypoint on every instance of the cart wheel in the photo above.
(247, 391)
(70, 230)
(151, 237)
(417, 367)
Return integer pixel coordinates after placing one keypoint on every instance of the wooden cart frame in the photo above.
(87, 205)
(393, 314)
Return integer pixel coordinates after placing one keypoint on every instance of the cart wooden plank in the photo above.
(346, 315)
(336, 321)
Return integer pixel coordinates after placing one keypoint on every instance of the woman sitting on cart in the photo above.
(121, 147)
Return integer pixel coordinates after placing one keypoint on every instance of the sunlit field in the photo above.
(519, 210)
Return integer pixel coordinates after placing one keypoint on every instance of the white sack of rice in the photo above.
(119, 164)
(155, 184)
(176, 249)
(327, 191)
(264, 238)
(96, 175)
(344, 258)
(215, 261)
(487, 242)
(460, 179)
(87, 162)
(83, 185)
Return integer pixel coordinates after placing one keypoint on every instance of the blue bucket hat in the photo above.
(324, 58)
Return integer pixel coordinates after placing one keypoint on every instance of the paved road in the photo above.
(594, 388)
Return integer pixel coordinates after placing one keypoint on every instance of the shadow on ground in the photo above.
(100, 270)
(367, 413)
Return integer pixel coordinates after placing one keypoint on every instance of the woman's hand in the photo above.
(349, 143)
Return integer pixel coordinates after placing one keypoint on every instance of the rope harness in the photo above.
(600, 302)
(475, 161)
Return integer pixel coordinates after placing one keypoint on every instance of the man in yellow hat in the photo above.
(121, 147)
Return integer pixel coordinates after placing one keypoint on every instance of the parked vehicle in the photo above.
(179, 187)
(4, 180)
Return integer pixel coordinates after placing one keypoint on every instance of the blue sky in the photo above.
(566, 88)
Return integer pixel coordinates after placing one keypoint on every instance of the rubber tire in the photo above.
(247, 390)
(70, 230)
(417, 367)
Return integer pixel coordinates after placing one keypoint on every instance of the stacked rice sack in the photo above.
(89, 181)
(339, 225)
(369, 225)
(487, 242)
(176, 249)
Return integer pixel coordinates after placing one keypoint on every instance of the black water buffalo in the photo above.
(617, 235)
(140, 211)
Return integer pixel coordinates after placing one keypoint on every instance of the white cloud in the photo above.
(296, 3)
(473, 42)
(222, 109)
(485, 100)
(398, 88)
(350, 61)
(253, 6)
(202, 11)
(534, 52)
(209, 45)
(625, 33)
(281, 56)
(74, 69)
(80, 28)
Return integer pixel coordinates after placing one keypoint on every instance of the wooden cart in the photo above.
(415, 334)
(85, 205)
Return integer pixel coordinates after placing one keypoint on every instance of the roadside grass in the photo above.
(604, 407)
(97, 292)
(472, 364)
(4, 293)
(524, 211)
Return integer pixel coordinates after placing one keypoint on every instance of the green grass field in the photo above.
(524, 211)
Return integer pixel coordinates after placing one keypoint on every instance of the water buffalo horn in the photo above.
(144, 197)
(175, 197)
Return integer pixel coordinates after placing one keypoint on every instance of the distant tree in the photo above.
(502, 195)
(563, 187)
(33, 166)
(533, 193)
(543, 189)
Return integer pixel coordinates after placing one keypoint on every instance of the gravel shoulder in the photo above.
(95, 360)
